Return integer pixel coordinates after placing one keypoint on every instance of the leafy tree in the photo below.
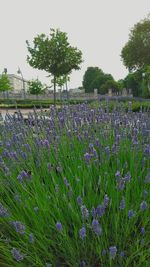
(4, 83)
(95, 78)
(90, 78)
(35, 87)
(136, 52)
(109, 84)
(54, 55)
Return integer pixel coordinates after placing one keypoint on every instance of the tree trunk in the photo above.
(54, 91)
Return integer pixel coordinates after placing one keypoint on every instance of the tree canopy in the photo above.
(95, 78)
(136, 52)
(4, 83)
(54, 54)
(35, 87)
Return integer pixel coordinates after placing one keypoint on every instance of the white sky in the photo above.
(99, 28)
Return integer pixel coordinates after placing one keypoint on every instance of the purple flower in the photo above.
(31, 238)
(82, 232)
(79, 200)
(87, 157)
(130, 213)
(147, 179)
(104, 252)
(117, 174)
(106, 200)
(112, 252)
(143, 205)
(66, 181)
(93, 211)
(19, 227)
(59, 226)
(100, 210)
(121, 254)
(127, 177)
(121, 184)
(49, 167)
(3, 211)
(16, 254)
(145, 193)
(85, 212)
(96, 227)
(142, 230)
(122, 204)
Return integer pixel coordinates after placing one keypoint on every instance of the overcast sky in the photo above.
(99, 28)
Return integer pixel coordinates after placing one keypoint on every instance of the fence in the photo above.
(66, 96)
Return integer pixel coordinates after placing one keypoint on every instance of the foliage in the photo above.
(54, 55)
(75, 188)
(4, 83)
(60, 81)
(109, 84)
(95, 78)
(35, 87)
(89, 78)
(136, 52)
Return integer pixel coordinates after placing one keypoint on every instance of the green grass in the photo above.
(68, 138)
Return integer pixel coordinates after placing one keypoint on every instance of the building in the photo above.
(17, 83)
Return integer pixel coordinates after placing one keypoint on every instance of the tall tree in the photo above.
(4, 83)
(35, 87)
(91, 78)
(136, 52)
(54, 54)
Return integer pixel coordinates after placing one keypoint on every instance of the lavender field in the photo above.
(74, 188)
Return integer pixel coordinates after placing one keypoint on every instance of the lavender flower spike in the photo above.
(85, 212)
(59, 226)
(3, 211)
(143, 205)
(82, 232)
(96, 227)
(19, 227)
(112, 252)
(16, 254)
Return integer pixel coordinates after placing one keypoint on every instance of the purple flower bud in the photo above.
(112, 252)
(142, 230)
(127, 177)
(93, 211)
(85, 212)
(82, 232)
(66, 181)
(96, 227)
(31, 238)
(3, 211)
(143, 205)
(87, 156)
(104, 252)
(121, 184)
(19, 227)
(145, 193)
(49, 167)
(122, 204)
(106, 200)
(130, 213)
(121, 254)
(147, 179)
(59, 226)
(16, 254)
(117, 174)
(100, 210)
(79, 200)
